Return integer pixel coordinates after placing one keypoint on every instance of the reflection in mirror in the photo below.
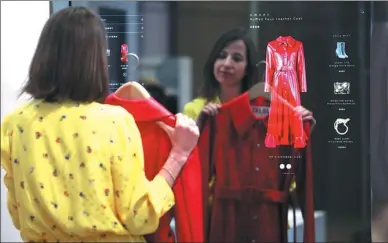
(173, 41)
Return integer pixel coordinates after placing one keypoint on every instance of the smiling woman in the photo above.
(231, 66)
(230, 70)
(223, 69)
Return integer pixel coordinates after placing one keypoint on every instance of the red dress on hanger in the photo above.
(285, 78)
(251, 193)
(187, 188)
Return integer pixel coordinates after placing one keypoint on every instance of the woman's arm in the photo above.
(140, 203)
(8, 178)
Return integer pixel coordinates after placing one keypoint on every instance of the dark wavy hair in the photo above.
(211, 86)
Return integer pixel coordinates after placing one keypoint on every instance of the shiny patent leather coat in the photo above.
(251, 193)
(285, 78)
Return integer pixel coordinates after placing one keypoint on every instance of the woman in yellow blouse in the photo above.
(74, 167)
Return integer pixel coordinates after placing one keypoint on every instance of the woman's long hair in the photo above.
(211, 86)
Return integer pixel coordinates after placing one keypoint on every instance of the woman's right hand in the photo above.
(184, 136)
(210, 109)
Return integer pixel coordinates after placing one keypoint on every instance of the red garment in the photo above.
(124, 53)
(187, 189)
(285, 79)
(251, 192)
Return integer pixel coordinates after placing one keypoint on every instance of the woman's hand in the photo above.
(210, 109)
(184, 136)
(307, 115)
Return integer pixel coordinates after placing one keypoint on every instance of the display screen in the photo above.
(310, 54)
(123, 30)
(321, 50)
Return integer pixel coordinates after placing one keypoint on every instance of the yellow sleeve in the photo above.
(191, 110)
(140, 203)
(8, 178)
(293, 185)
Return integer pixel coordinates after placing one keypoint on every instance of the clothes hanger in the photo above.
(135, 91)
(257, 90)
(132, 91)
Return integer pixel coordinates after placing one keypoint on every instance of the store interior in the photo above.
(168, 43)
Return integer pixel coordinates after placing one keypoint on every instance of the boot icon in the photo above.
(340, 50)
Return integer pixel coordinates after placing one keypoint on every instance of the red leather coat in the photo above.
(251, 193)
(187, 189)
(285, 78)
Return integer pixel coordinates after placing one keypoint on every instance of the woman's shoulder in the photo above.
(118, 113)
(15, 115)
(194, 107)
(114, 110)
(197, 102)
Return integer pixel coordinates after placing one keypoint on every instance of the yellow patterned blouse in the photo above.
(75, 172)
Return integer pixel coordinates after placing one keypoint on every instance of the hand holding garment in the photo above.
(157, 145)
(251, 193)
(285, 78)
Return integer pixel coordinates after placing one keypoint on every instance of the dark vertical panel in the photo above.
(51, 8)
(141, 8)
(379, 121)
(115, 16)
(379, 109)
(364, 234)
(174, 17)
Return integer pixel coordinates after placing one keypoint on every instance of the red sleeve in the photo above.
(241, 113)
(302, 70)
(305, 191)
(188, 206)
(269, 69)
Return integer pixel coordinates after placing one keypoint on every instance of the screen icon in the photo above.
(342, 88)
(340, 126)
(124, 53)
(340, 50)
(285, 166)
(286, 169)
